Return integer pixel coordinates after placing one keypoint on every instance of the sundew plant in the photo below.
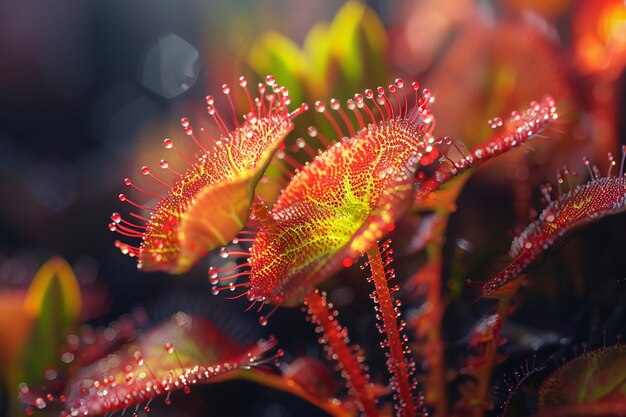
(415, 210)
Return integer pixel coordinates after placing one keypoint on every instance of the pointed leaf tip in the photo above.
(55, 271)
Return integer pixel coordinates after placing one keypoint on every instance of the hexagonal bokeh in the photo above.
(170, 67)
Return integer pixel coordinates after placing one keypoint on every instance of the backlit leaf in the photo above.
(53, 303)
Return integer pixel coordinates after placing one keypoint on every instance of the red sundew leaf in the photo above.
(215, 217)
(507, 290)
(586, 203)
(174, 356)
(510, 132)
(336, 207)
(593, 378)
(92, 344)
(208, 204)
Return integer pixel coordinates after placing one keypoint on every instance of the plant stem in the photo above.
(349, 358)
(399, 367)
(491, 354)
(434, 344)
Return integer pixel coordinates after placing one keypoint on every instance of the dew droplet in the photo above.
(243, 81)
(270, 80)
(138, 358)
(168, 143)
(225, 89)
(224, 252)
(40, 403)
(252, 118)
(320, 107)
(212, 272)
(145, 170)
(263, 321)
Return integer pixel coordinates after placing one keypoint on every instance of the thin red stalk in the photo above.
(436, 358)
(490, 356)
(399, 367)
(337, 344)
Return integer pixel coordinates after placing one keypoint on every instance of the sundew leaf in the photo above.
(593, 377)
(598, 198)
(176, 355)
(334, 209)
(509, 133)
(53, 304)
(217, 214)
(207, 205)
(352, 194)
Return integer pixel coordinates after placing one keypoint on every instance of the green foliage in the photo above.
(53, 303)
(338, 58)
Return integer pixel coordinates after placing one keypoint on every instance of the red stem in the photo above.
(436, 358)
(350, 359)
(483, 402)
(399, 367)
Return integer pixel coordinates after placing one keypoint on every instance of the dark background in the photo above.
(79, 105)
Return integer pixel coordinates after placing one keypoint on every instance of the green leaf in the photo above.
(317, 60)
(53, 303)
(358, 42)
(595, 376)
(277, 55)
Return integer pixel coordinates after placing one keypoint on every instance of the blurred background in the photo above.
(89, 90)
